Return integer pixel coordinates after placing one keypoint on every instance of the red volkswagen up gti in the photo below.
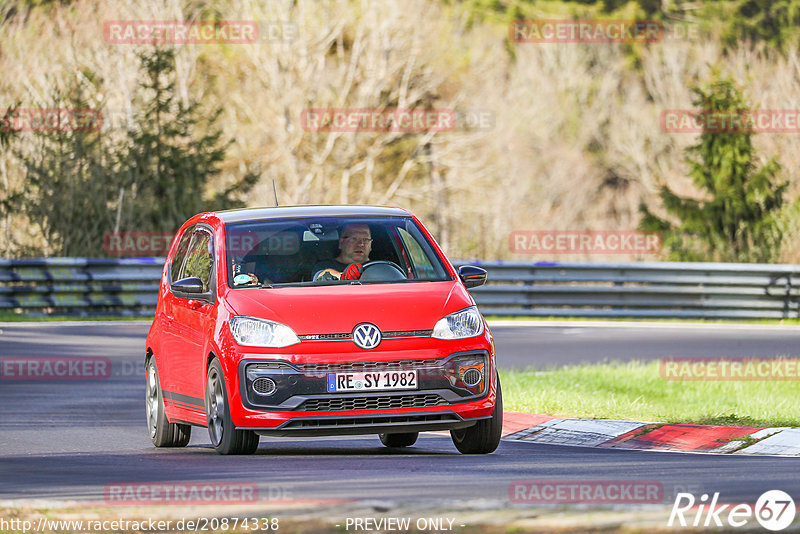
(314, 321)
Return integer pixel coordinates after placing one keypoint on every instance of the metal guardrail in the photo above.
(669, 289)
(80, 286)
(656, 289)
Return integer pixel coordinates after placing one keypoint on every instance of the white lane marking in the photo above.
(587, 432)
(784, 442)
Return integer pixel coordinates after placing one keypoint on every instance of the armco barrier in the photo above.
(668, 289)
(80, 286)
(657, 289)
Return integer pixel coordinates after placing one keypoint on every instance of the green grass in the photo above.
(636, 391)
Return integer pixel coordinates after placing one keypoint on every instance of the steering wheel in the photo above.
(381, 271)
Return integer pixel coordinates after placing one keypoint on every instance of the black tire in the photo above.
(400, 439)
(224, 436)
(484, 436)
(162, 432)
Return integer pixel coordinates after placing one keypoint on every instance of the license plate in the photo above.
(372, 381)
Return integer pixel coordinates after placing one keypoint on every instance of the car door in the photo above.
(171, 344)
(192, 319)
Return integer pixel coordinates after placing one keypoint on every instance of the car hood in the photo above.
(337, 309)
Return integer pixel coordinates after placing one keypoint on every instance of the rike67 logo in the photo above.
(774, 510)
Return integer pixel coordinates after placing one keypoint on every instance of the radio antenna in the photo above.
(275, 192)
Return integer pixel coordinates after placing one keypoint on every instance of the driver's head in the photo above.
(355, 243)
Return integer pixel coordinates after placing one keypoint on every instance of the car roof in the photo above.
(283, 212)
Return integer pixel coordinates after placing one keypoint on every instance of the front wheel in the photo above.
(484, 436)
(224, 436)
(399, 439)
(162, 432)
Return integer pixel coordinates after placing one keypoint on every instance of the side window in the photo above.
(200, 258)
(180, 254)
(422, 264)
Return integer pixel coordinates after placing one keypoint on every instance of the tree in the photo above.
(9, 198)
(69, 176)
(740, 218)
(173, 153)
(82, 184)
(772, 21)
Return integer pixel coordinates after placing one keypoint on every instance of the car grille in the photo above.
(371, 403)
(365, 367)
(349, 335)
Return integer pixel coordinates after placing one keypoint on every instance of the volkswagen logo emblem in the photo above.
(366, 335)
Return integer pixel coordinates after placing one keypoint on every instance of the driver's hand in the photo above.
(327, 275)
(353, 272)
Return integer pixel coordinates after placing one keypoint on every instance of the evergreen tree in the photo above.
(771, 21)
(8, 198)
(69, 180)
(82, 185)
(740, 218)
(173, 153)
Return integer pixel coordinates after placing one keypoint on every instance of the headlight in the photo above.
(261, 333)
(459, 325)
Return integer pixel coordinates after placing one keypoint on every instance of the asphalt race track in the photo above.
(69, 439)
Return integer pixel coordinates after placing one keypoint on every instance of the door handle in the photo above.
(195, 304)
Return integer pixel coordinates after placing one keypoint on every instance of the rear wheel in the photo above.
(162, 432)
(484, 436)
(400, 439)
(224, 436)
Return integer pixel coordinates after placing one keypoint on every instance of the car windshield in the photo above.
(318, 251)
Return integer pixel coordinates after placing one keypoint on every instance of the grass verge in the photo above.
(636, 391)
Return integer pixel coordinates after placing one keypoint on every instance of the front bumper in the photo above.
(301, 404)
(304, 387)
(368, 424)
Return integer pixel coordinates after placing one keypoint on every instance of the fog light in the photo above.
(472, 376)
(264, 386)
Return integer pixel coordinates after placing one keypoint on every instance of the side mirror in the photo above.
(472, 276)
(188, 286)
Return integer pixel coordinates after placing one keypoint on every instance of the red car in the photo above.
(314, 321)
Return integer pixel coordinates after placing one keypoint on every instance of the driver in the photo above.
(355, 244)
